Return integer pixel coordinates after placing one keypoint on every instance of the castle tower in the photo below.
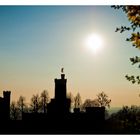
(60, 104)
(6, 96)
(60, 88)
(5, 106)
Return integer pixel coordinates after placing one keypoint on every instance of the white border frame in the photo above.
(69, 2)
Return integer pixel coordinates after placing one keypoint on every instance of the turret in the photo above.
(6, 96)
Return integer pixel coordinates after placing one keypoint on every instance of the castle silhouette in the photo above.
(60, 106)
(59, 117)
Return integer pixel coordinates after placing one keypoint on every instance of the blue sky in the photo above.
(36, 41)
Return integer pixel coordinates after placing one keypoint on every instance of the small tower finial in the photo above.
(62, 73)
(62, 70)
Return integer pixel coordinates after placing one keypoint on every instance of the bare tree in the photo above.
(90, 103)
(14, 113)
(22, 107)
(35, 104)
(70, 96)
(44, 100)
(103, 100)
(77, 101)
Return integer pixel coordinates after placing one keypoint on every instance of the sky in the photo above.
(37, 41)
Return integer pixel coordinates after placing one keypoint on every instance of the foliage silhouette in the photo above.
(127, 119)
(21, 105)
(77, 101)
(44, 100)
(14, 112)
(133, 15)
(103, 100)
(90, 103)
(35, 103)
(71, 97)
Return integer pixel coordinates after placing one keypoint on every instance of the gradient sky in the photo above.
(36, 42)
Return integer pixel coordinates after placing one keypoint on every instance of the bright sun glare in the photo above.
(94, 42)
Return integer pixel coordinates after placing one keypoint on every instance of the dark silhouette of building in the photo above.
(59, 118)
(60, 105)
(5, 106)
(95, 113)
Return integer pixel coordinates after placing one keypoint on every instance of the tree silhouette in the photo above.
(14, 112)
(35, 104)
(133, 15)
(127, 118)
(103, 100)
(44, 100)
(70, 96)
(77, 101)
(21, 105)
(90, 103)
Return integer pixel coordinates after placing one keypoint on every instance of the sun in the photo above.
(94, 42)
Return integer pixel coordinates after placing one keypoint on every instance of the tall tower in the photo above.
(60, 88)
(5, 106)
(6, 95)
(60, 104)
